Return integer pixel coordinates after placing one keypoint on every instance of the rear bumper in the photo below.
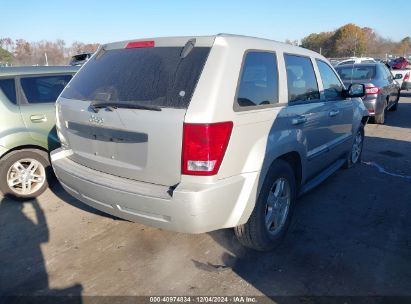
(189, 208)
(372, 106)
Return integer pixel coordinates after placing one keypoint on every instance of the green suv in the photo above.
(27, 126)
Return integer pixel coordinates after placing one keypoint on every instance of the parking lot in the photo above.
(349, 236)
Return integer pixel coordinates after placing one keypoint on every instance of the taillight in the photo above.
(407, 77)
(369, 90)
(140, 44)
(204, 146)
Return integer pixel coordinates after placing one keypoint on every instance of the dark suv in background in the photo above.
(382, 91)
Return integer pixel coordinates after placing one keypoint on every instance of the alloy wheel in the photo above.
(356, 148)
(278, 205)
(26, 176)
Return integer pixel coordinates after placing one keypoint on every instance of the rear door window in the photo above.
(8, 87)
(157, 76)
(259, 80)
(43, 89)
(301, 80)
(332, 85)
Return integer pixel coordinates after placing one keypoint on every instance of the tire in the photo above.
(15, 179)
(354, 157)
(258, 235)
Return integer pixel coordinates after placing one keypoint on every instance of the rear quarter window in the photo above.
(258, 85)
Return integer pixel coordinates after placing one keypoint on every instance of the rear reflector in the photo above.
(140, 44)
(372, 90)
(204, 146)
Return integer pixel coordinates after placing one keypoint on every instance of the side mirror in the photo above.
(398, 76)
(355, 90)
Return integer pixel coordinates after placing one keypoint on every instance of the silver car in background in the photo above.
(195, 134)
(382, 91)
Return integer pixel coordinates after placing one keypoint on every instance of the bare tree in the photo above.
(6, 43)
(79, 47)
(22, 52)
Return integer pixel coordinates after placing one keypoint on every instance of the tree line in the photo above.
(22, 52)
(352, 40)
(346, 41)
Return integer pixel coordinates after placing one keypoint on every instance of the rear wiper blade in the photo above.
(95, 105)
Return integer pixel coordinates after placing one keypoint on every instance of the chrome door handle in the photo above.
(298, 120)
(38, 118)
(334, 113)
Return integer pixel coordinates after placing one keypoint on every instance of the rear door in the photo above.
(147, 90)
(340, 115)
(37, 97)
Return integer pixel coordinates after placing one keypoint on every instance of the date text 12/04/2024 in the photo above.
(203, 299)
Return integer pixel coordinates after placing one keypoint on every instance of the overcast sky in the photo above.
(105, 21)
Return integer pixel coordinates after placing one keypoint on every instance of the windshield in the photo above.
(147, 76)
(356, 72)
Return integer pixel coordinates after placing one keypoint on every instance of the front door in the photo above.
(340, 112)
(309, 114)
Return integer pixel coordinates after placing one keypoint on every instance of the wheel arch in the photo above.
(26, 147)
(294, 159)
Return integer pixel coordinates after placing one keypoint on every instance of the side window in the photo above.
(8, 87)
(43, 89)
(332, 85)
(301, 80)
(259, 80)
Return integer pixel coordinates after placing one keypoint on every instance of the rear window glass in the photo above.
(259, 80)
(301, 80)
(8, 87)
(44, 89)
(148, 76)
(347, 62)
(356, 72)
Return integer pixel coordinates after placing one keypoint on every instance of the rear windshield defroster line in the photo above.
(147, 76)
